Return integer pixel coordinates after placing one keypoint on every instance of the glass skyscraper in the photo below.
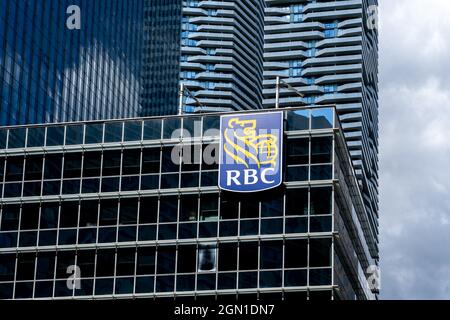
(105, 196)
(161, 67)
(328, 51)
(51, 72)
(214, 48)
(127, 58)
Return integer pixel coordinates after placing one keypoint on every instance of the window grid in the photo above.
(135, 195)
(114, 276)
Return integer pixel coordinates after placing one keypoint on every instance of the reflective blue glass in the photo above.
(53, 69)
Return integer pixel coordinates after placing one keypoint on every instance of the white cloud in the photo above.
(415, 149)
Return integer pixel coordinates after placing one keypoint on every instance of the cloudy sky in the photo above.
(414, 148)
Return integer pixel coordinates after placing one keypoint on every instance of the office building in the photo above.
(91, 60)
(328, 51)
(222, 54)
(70, 60)
(112, 205)
(162, 50)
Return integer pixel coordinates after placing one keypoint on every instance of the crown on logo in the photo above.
(243, 144)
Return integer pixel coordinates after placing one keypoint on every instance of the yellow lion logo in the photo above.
(262, 149)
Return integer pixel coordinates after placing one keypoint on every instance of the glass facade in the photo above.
(135, 207)
(222, 61)
(327, 50)
(161, 69)
(51, 71)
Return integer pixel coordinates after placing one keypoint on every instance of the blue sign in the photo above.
(251, 148)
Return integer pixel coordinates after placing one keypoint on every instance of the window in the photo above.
(10, 217)
(92, 164)
(229, 208)
(166, 260)
(14, 169)
(186, 259)
(190, 160)
(113, 132)
(148, 210)
(45, 265)
(32, 189)
(249, 208)
(29, 219)
(227, 257)
(36, 137)
(188, 208)
(297, 202)
(64, 260)
(322, 118)
(207, 255)
(69, 215)
(172, 126)
(295, 278)
(248, 256)
(152, 130)
(16, 138)
(25, 266)
(272, 207)
(321, 200)
(145, 261)
(86, 263)
(89, 213)
(210, 157)
(319, 277)
(125, 261)
(321, 149)
(55, 136)
(108, 212)
(192, 127)
(90, 186)
(330, 33)
(53, 166)
(271, 255)
(49, 215)
(324, 172)
(272, 226)
(320, 253)
(270, 279)
(298, 151)
(151, 160)
(298, 120)
(71, 186)
(111, 162)
(133, 131)
(168, 209)
(105, 262)
(3, 134)
(171, 159)
(33, 168)
(111, 184)
(167, 231)
(131, 161)
(128, 211)
(72, 165)
(209, 207)
(74, 134)
(94, 133)
(296, 254)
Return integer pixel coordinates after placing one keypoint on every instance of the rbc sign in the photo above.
(251, 148)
